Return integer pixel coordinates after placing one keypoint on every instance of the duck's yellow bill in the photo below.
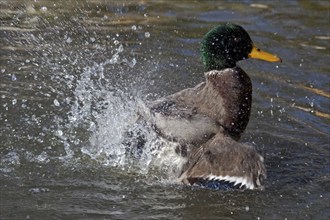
(256, 53)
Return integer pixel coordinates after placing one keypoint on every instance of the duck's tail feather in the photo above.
(223, 160)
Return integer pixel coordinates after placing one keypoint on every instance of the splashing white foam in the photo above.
(117, 134)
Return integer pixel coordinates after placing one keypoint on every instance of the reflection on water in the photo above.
(74, 74)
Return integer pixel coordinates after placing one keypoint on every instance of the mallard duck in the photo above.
(208, 120)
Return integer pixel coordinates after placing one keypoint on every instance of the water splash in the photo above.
(104, 124)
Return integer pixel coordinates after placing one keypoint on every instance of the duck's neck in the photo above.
(227, 98)
(218, 64)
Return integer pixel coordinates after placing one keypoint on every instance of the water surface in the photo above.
(73, 74)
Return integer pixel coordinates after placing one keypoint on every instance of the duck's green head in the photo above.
(226, 44)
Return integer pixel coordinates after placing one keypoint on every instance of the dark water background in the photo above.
(71, 73)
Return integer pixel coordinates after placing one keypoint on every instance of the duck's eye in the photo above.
(237, 39)
(258, 49)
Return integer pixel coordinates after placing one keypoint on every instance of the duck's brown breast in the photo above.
(225, 98)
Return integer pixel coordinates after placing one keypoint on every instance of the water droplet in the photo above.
(43, 9)
(120, 49)
(3, 70)
(59, 132)
(92, 39)
(56, 103)
(133, 27)
(147, 34)
(72, 118)
(247, 208)
(68, 40)
(13, 77)
(14, 101)
(116, 42)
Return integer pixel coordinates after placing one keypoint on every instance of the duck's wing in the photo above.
(180, 104)
(222, 159)
(223, 99)
(178, 119)
(169, 107)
